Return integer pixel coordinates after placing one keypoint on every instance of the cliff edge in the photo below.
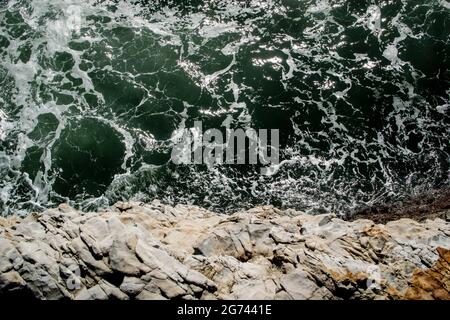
(155, 251)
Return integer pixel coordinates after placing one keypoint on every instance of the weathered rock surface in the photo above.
(154, 251)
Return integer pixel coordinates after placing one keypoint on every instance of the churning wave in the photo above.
(93, 92)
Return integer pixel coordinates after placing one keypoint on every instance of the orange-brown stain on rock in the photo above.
(433, 283)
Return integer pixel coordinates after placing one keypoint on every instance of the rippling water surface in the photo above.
(92, 93)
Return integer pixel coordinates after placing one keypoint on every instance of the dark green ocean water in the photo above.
(92, 93)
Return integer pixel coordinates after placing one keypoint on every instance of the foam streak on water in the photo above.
(93, 94)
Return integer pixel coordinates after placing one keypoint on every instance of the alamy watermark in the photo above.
(227, 146)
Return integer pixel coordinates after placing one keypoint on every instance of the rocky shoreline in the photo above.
(155, 251)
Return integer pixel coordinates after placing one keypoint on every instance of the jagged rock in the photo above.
(95, 234)
(254, 290)
(147, 295)
(30, 230)
(298, 285)
(132, 286)
(10, 255)
(433, 283)
(279, 235)
(11, 281)
(169, 288)
(112, 292)
(94, 293)
(122, 255)
(154, 251)
(82, 252)
(199, 280)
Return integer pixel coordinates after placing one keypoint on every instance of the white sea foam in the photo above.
(308, 61)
